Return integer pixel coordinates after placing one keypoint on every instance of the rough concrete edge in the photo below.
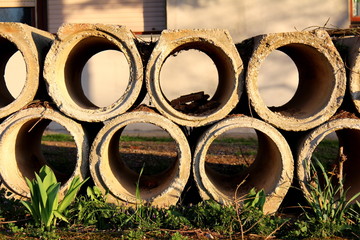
(68, 37)
(171, 39)
(274, 199)
(17, 120)
(318, 39)
(172, 193)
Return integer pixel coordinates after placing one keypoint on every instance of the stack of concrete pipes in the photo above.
(287, 135)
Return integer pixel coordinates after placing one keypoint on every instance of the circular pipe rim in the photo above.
(15, 126)
(219, 47)
(298, 117)
(21, 40)
(209, 190)
(312, 140)
(101, 171)
(64, 51)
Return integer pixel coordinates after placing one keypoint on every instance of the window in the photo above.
(30, 12)
(354, 13)
(17, 14)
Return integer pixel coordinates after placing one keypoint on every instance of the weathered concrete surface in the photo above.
(33, 45)
(218, 45)
(110, 172)
(322, 79)
(73, 47)
(349, 49)
(272, 169)
(21, 153)
(348, 133)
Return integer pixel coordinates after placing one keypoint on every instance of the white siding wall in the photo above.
(248, 18)
(138, 15)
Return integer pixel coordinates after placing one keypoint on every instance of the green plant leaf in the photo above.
(71, 193)
(52, 201)
(41, 190)
(48, 176)
(60, 216)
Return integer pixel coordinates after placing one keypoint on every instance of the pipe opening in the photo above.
(254, 161)
(9, 81)
(79, 55)
(315, 72)
(105, 77)
(204, 95)
(34, 149)
(15, 74)
(328, 152)
(277, 77)
(156, 158)
(186, 69)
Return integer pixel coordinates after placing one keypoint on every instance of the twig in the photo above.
(237, 208)
(342, 159)
(15, 221)
(276, 229)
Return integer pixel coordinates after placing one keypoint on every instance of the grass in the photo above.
(327, 152)
(243, 141)
(90, 217)
(57, 137)
(69, 138)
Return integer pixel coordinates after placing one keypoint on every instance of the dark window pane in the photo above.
(18, 14)
(356, 8)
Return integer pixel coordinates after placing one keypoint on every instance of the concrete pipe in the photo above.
(271, 169)
(348, 134)
(75, 45)
(349, 48)
(33, 45)
(322, 80)
(109, 170)
(218, 45)
(22, 154)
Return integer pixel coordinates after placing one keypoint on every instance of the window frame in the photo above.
(353, 19)
(39, 10)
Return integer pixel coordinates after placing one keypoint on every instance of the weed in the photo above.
(11, 212)
(328, 205)
(251, 218)
(92, 209)
(44, 205)
(178, 236)
(354, 219)
(211, 215)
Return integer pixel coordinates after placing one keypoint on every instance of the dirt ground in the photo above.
(154, 154)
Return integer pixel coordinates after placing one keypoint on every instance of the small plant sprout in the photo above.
(44, 205)
(328, 201)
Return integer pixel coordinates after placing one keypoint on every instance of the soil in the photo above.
(221, 156)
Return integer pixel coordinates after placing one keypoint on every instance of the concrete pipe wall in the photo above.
(218, 45)
(322, 80)
(21, 153)
(349, 49)
(272, 169)
(74, 46)
(348, 133)
(33, 45)
(110, 172)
